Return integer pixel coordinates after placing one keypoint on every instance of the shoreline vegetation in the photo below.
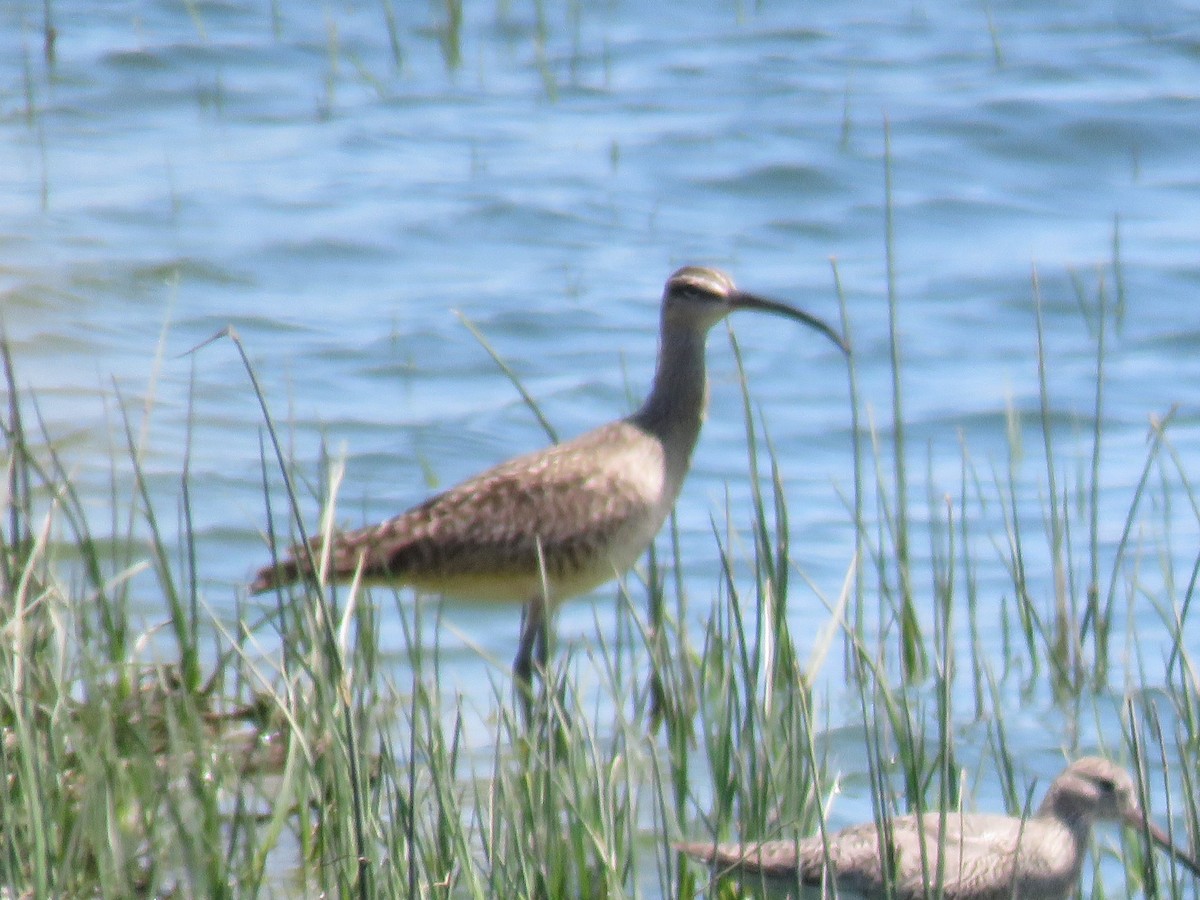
(274, 753)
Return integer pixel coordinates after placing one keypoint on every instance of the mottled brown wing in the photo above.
(779, 860)
(566, 502)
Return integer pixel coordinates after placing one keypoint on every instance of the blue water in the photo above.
(177, 168)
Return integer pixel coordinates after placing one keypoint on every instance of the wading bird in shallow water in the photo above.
(976, 857)
(545, 527)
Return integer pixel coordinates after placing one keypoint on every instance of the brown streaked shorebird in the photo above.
(547, 526)
(978, 857)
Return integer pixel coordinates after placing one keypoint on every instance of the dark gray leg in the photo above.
(542, 649)
(533, 640)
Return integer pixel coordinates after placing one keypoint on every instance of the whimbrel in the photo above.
(550, 525)
(977, 857)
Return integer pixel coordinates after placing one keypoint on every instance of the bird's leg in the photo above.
(533, 654)
(533, 639)
(542, 644)
(539, 617)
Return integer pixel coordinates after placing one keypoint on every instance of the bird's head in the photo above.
(697, 298)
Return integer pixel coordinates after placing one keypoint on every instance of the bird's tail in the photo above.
(280, 573)
(346, 552)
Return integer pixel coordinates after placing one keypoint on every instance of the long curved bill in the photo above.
(1140, 823)
(742, 300)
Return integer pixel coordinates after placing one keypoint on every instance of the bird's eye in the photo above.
(1107, 785)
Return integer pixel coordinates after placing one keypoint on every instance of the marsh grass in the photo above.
(275, 752)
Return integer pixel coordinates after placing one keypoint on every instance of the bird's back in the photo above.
(581, 511)
(976, 860)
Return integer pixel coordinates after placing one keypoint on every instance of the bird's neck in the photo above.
(674, 411)
(1059, 806)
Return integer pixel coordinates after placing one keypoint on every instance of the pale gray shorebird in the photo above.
(550, 525)
(977, 857)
